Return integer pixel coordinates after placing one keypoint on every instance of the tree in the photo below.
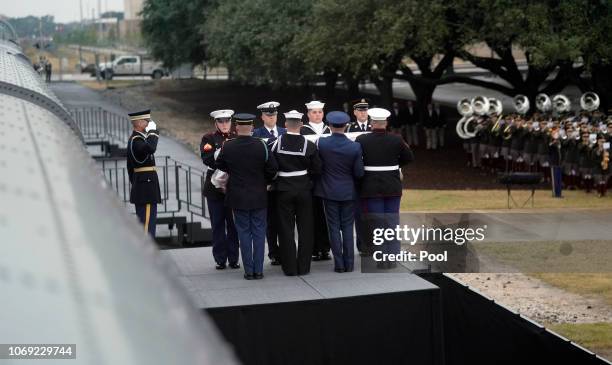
(254, 38)
(170, 30)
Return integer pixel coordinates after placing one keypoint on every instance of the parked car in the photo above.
(130, 65)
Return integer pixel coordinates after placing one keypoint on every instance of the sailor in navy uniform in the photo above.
(298, 161)
(384, 154)
(224, 236)
(144, 193)
(315, 123)
(362, 122)
(251, 167)
(271, 131)
(315, 126)
(342, 165)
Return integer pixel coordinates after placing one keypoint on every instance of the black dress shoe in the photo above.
(348, 270)
(220, 266)
(248, 276)
(324, 256)
(316, 257)
(338, 270)
(258, 276)
(235, 265)
(274, 262)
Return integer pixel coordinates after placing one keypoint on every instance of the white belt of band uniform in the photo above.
(381, 168)
(292, 173)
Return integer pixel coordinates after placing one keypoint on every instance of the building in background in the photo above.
(129, 27)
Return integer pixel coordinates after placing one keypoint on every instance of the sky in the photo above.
(63, 10)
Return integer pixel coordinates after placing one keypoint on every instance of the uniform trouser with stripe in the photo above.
(383, 213)
(147, 215)
(321, 236)
(272, 227)
(294, 208)
(224, 236)
(251, 229)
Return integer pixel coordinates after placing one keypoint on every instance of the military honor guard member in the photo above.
(270, 131)
(250, 167)
(315, 123)
(342, 164)
(315, 126)
(224, 236)
(298, 161)
(362, 122)
(144, 193)
(384, 154)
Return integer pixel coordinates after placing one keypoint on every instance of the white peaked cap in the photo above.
(379, 113)
(315, 104)
(294, 114)
(223, 113)
(269, 105)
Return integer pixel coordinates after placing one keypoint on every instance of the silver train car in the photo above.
(75, 268)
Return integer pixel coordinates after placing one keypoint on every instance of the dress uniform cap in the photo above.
(294, 114)
(379, 113)
(144, 114)
(244, 118)
(269, 107)
(361, 104)
(221, 114)
(337, 118)
(315, 104)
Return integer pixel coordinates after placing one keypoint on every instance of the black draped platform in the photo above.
(320, 318)
(356, 318)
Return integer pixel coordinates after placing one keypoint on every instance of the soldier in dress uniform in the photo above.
(381, 187)
(298, 161)
(144, 193)
(315, 126)
(342, 164)
(225, 238)
(251, 167)
(271, 131)
(362, 122)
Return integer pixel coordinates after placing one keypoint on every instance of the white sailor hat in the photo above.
(379, 113)
(269, 107)
(315, 104)
(294, 114)
(222, 114)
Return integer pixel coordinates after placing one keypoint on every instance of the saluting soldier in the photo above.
(298, 161)
(224, 236)
(381, 187)
(144, 193)
(315, 126)
(250, 167)
(271, 131)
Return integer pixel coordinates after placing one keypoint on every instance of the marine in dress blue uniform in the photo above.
(342, 165)
(384, 154)
(251, 168)
(316, 126)
(224, 237)
(144, 192)
(270, 131)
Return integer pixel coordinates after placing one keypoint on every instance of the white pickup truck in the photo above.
(132, 66)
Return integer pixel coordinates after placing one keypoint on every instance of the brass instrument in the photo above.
(605, 161)
(543, 103)
(521, 104)
(589, 101)
(561, 104)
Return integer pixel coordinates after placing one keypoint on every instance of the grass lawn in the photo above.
(596, 337)
(414, 199)
(591, 285)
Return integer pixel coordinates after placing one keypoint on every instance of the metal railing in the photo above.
(98, 125)
(181, 185)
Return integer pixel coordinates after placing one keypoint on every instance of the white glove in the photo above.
(151, 126)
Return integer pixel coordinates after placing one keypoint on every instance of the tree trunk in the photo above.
(331, 78)
(423, 92)
(385, 88)
(352, 87)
